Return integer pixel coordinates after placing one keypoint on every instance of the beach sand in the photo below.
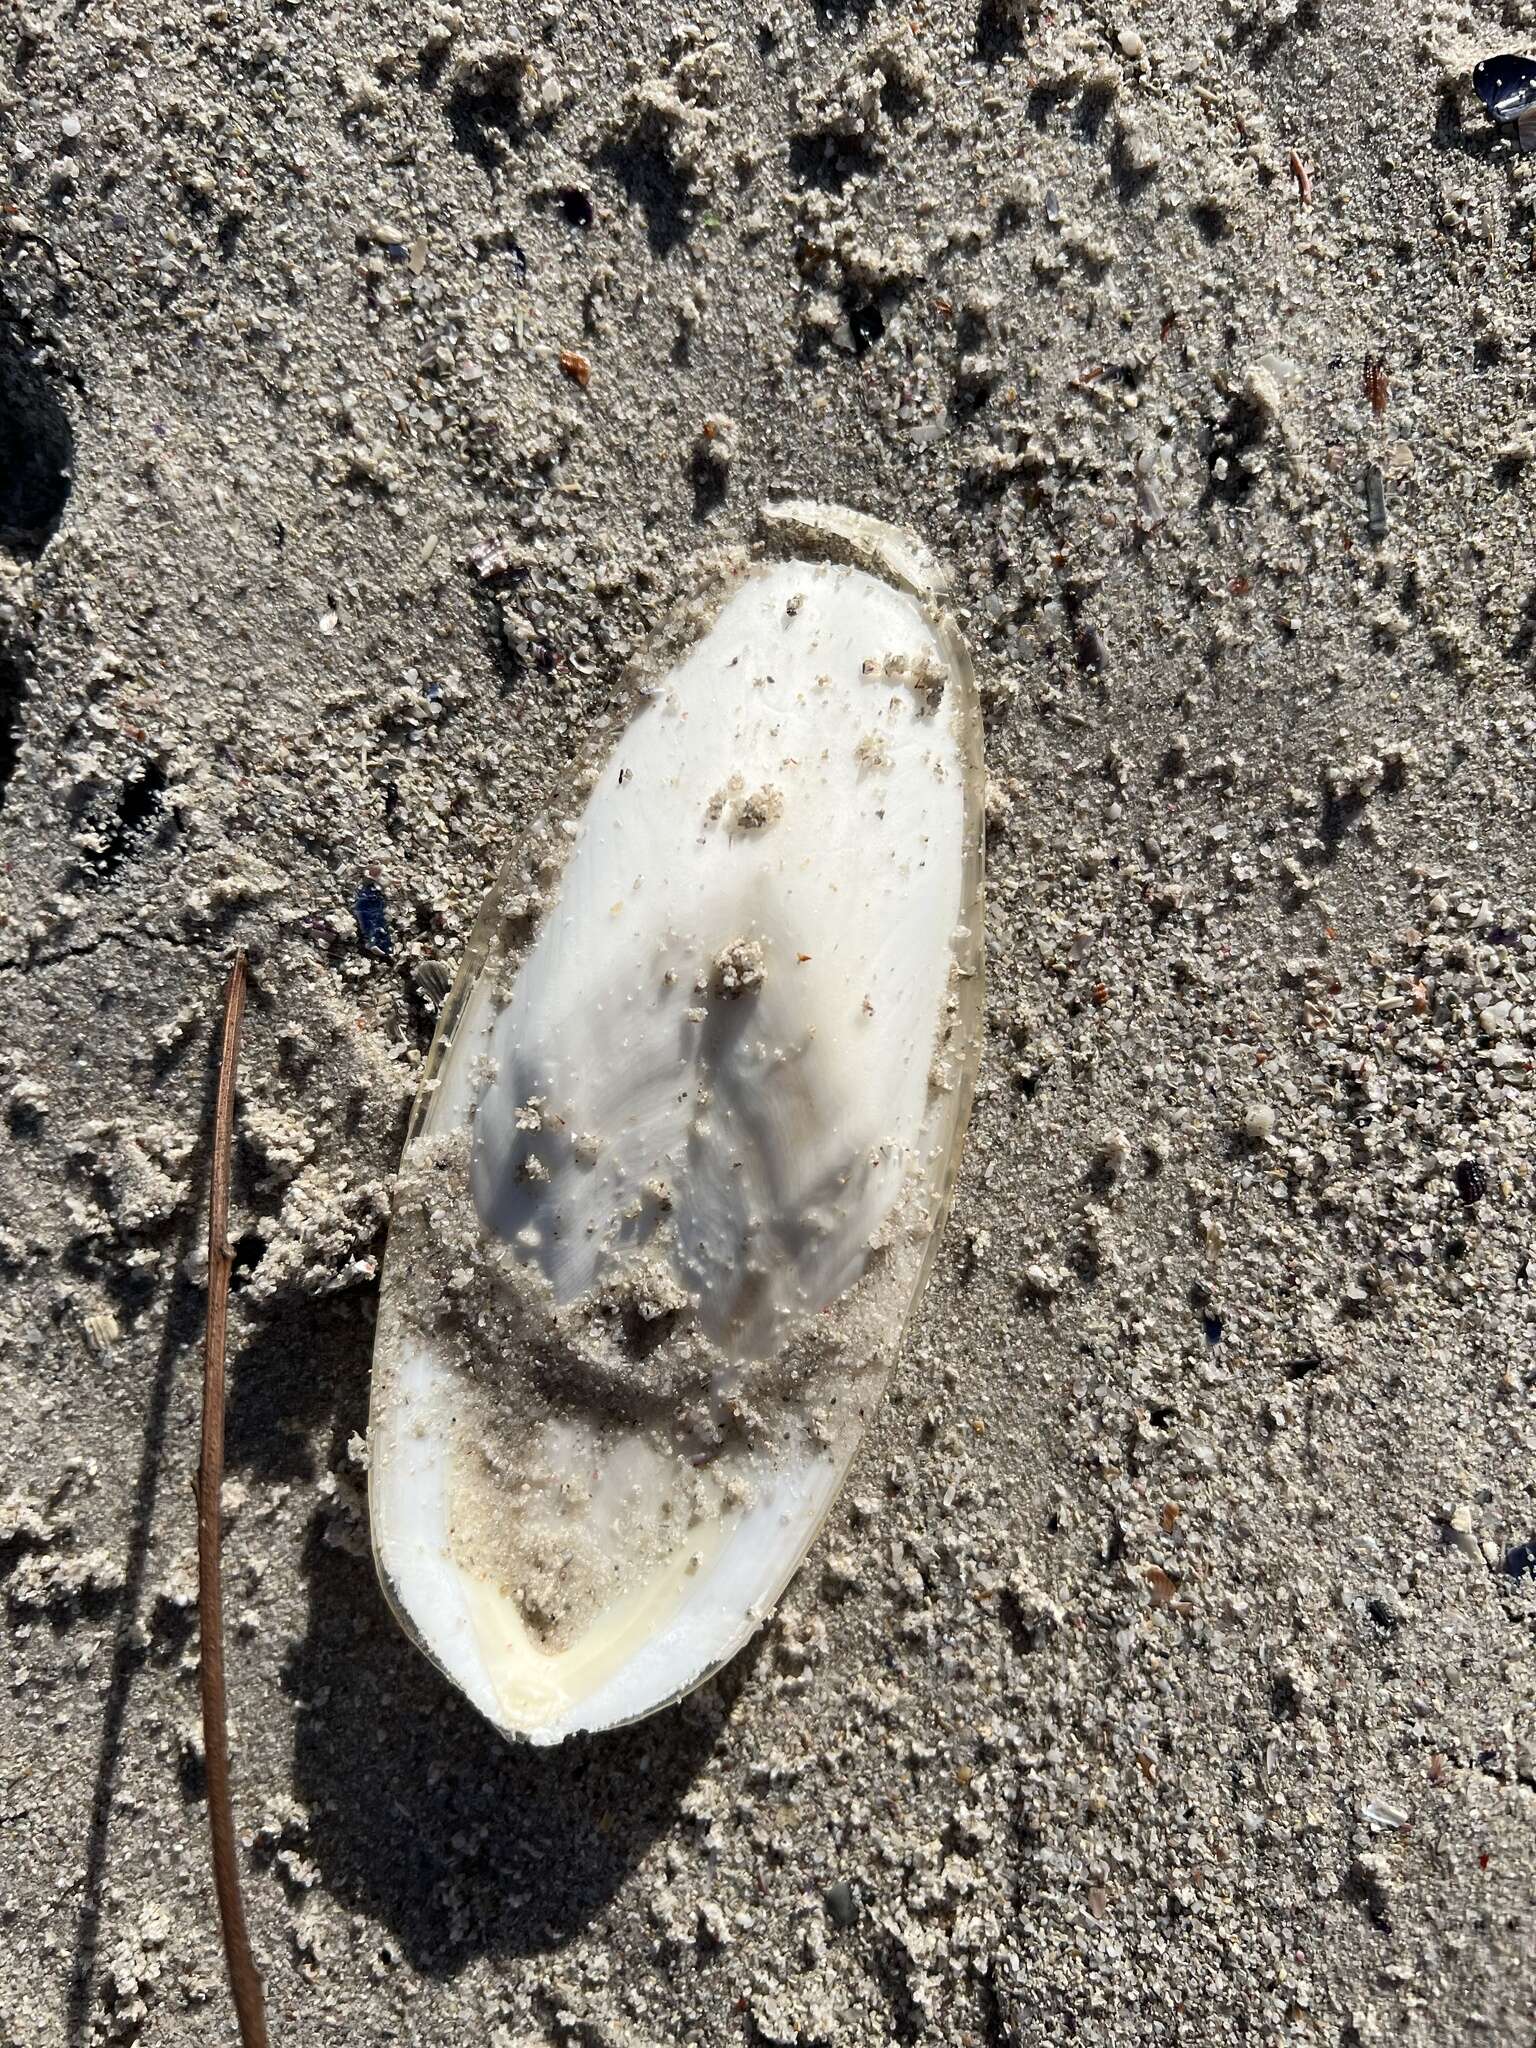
(368, 376)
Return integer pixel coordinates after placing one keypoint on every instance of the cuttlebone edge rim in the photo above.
(835, 534)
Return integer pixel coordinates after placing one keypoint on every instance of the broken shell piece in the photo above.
(1506, 85)
(687, 1135)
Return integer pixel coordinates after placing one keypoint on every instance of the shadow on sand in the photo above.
(421, 1816)
(183, 1331)
(430, 1823)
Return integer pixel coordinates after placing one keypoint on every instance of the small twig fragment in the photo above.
(244, 1983)
(1303, 179)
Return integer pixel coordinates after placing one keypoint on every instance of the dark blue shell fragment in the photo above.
(1506, 85)
(368, 907)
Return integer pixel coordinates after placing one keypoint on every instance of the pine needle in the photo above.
(244, 1983)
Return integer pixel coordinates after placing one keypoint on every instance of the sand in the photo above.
(368, 379)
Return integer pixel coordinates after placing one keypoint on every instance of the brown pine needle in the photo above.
(244, 1983)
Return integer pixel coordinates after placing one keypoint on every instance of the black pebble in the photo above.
(576, 207)
(1471, 1181)
(867, 324)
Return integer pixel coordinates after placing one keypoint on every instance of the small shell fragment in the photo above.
(686, 1138)
(1375, 501)
(1506, 85)
(1381, 1812)
(102, 1331)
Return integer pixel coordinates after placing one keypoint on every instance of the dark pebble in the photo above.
(842, 1906)
(867, 324)
(1471, 1181)
(1091, 651)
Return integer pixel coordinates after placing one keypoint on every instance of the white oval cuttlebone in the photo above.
(688, 1132)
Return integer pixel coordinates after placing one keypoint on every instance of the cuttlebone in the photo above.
(685, 1142)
